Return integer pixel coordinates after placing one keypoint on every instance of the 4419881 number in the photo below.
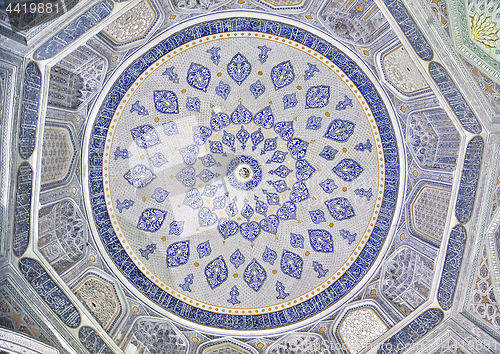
(32, 8)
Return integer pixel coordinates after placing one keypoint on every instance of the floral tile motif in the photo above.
(216, 272)
(340, 130)
(250, 230)
(145, 136)
(158, 159)
(291, 264)
(206, 217)
(282, 75)
(328, 185)
(178, 254)
(314, 123)
(176, 228)
(219, 121)
(296, 240)
(321, 240)
(151, 220)
(139, 176)
(170, 128)
(284, 129)
(189, 154)
(340, 208)
(198, 76)
(237, 258)
(264, 118)
(290, 100)
(239, 68)
(227, 228)
(241, 115)
(348, 170)
(193, 104)
(204, 249)
(166, 102)
(269, 256)
(255, 275)
(257, 89)
(317, 97)
(201, 134)
(223, 90)
(160, 195)
(187, 176)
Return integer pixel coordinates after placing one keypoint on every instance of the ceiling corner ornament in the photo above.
(475, 33)
(238, 202)
(484, 30)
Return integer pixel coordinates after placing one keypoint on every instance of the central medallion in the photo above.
(244, 173)
(241, 187)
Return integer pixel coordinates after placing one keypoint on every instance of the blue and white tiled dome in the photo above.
(250, 188)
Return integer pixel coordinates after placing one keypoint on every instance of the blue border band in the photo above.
(22, 216)
(29, 110)
(451, 269)
(469, 180)
(454, 98)
(50, 292)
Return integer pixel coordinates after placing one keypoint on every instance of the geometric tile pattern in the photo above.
(99, 298)
(407, 279)
(483, 303)
(361, 327)
(430, 210)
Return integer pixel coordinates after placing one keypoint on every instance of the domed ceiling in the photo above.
(242, 184)
(249, 177)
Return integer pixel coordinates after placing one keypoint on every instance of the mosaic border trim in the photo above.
(29, 110)
(22, 216)
(469, 179)
(302, 310)
(10, 340)
(50, 292)
(454, 97)
(412, 332)
(92, 341)
(451, 269)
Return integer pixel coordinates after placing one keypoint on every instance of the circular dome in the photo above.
(243, 174)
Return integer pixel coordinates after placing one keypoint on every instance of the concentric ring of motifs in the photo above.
(362, 241)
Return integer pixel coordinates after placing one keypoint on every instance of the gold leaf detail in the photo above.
(484, 30)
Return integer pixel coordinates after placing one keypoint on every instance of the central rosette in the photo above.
(244, 173)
